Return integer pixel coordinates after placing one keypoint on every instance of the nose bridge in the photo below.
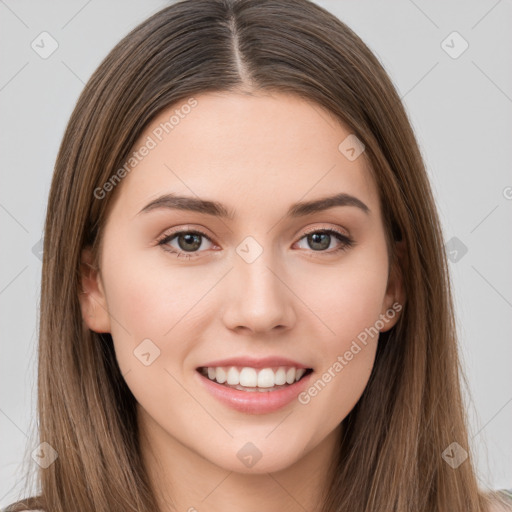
(260, 300)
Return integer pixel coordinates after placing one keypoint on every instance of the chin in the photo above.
(260, 456)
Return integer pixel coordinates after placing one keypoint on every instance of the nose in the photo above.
(257, 298)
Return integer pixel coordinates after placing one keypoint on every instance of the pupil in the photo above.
(316, 238)
(190, 239)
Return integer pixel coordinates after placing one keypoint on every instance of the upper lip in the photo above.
(252, 362)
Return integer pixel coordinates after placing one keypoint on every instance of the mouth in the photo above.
(254, 385)
(258, 380)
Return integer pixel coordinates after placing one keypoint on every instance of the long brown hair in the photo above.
(390, 454)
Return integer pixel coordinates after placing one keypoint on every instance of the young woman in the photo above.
(245, 298)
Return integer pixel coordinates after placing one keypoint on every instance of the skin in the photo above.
(257, 154)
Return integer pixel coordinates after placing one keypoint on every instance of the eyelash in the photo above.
(346, 242)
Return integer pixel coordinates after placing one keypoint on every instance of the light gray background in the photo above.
(460, 108)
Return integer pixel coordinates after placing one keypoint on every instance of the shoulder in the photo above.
(9, 508)
(501, 501)
(30, 504)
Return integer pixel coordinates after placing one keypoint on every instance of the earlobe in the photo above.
(394, 299)
(92, 296)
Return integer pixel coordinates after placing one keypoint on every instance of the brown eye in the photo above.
(189, 242)
(321, 239)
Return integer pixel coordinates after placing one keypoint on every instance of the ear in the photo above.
(92, 298)
(394, 300)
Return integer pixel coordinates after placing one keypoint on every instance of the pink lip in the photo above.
(255, 402)
(266, 362)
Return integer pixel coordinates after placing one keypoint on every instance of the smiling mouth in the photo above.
(255, 380)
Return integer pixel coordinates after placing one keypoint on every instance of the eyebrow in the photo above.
(216, 209)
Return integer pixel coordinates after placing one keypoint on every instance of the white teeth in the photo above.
(248, 377)
(233, 376)
(253, 378)
(290, 376)
(219, 375)
(280, 377)
(266, 378)
(299, 373)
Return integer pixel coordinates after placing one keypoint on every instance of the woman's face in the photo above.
(265, 285)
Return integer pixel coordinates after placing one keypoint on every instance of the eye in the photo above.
(188, 241)
(320, 239)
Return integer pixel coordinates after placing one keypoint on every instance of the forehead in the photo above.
(251, 152)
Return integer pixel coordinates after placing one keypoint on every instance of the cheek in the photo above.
(159, 302)
(346, 298)
(349, 303)
(153, 328)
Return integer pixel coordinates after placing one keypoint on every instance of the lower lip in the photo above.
(255, 402)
